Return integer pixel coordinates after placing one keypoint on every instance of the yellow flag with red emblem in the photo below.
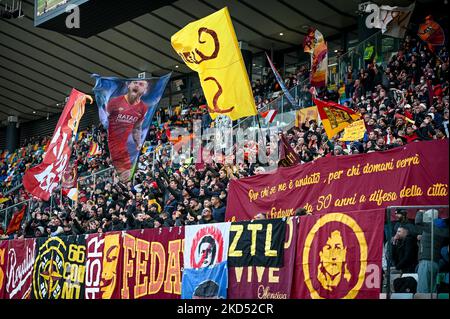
(335, 117)
(209, 46)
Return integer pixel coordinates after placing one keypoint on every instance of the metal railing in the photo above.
(281, 104)
(389, 211)
(384, 47)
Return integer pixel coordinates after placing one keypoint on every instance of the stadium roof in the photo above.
(39, 67)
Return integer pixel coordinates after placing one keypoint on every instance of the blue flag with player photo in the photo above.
(205, 274)
(126, 108)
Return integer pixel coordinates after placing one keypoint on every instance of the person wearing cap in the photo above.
(433, 233)
(402, 220)
(39, 232)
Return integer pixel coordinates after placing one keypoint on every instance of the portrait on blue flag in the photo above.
(205, 272)
(126, 108)
(205, 283)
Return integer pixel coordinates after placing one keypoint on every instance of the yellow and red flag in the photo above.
(209, 46)
(94, 150)
(335, 117)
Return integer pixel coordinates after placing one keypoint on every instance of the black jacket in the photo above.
(404, 254)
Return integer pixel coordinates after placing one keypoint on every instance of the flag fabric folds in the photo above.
(281, 82)
(209, 46)
(69, 183)
(126, 108)
(314, 43)
(94, 149)
(16, 221)
(288, 157)
(335, 117)
(392, 21)
(269, 115)
(432, 33)
(42, 179)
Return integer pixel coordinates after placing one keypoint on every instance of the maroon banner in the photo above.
(19, 269)
(3, 260)
(41, 180)
(416, 174)
(103, 267)
(288, 157)
(266, 282)
(339, 256)
(152, 262)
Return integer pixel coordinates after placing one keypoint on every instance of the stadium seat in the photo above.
(402, 296)
(420, 295)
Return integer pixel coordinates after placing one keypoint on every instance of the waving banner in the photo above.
(281, 82)
(19, 268)
(209, 47)
(205, 272)
(152, 263)
(416, 174)
(392, 21)
(59, 269)
(432, 33)
(42, 179)
(263, 282)
(335, 117)
(16, 220)
(257, 243)
(314, 43)
(3, 262)
(126, 108)
(339, 256)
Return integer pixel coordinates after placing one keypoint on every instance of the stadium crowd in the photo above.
(403, 102)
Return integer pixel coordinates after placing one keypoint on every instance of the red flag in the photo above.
(16, 220)
(42, 179)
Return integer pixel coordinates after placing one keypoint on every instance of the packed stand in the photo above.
(405, 102)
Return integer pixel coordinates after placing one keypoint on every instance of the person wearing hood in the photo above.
(432, 235)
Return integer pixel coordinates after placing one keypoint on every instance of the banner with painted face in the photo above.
(339, 255)
(19, 269)
(103, 269)
(3, 262)
(260, 282)
(126, 108)
(257, 243)
(152, 263)
(205, 274)
(59, 268)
